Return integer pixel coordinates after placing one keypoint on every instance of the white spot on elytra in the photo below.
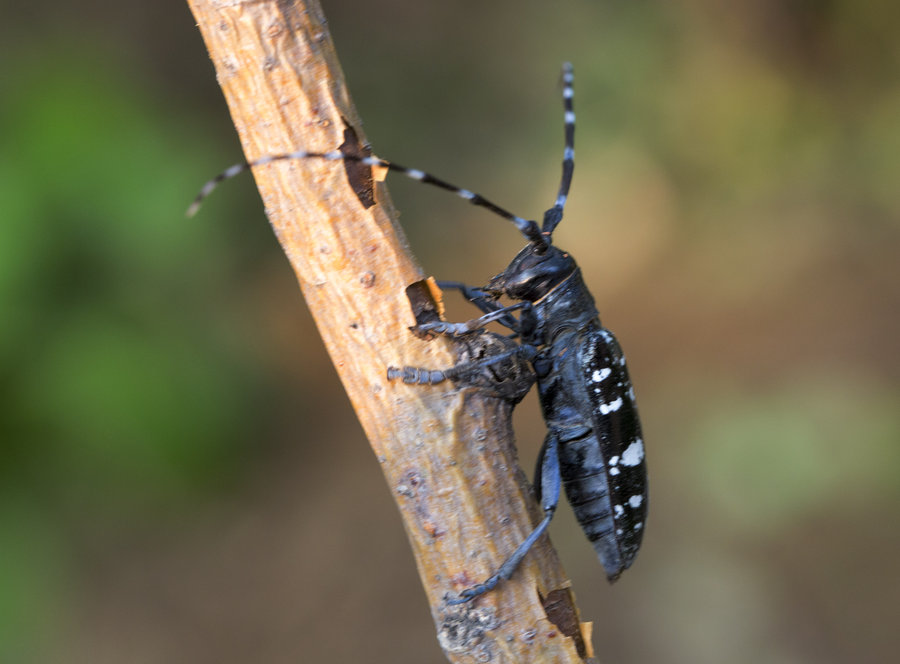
(606, 408)
(600, 374)
(619, 510)
(636, 500)
(614, 460)
(634, 453)
(639, 525)
(614, 471)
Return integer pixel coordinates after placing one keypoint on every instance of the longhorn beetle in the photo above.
(594, 445)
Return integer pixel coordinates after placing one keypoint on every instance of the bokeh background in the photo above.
(181, 476)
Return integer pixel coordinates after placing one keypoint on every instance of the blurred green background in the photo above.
(181, 476)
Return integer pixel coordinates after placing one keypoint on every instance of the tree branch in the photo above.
(446, 452)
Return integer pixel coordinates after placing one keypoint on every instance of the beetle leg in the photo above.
(482, 300)
(421, 376)
(550, 484)
(459, 329)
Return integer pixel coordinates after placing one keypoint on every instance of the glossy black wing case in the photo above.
(619, 447)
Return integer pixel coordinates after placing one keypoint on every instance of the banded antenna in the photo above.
(538, 236)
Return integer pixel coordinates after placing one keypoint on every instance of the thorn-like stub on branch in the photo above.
(425, 300)
(559, 604)
(359, 175)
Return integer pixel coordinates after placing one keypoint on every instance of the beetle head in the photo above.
(533, 273)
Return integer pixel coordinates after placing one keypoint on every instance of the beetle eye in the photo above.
(540, 248)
